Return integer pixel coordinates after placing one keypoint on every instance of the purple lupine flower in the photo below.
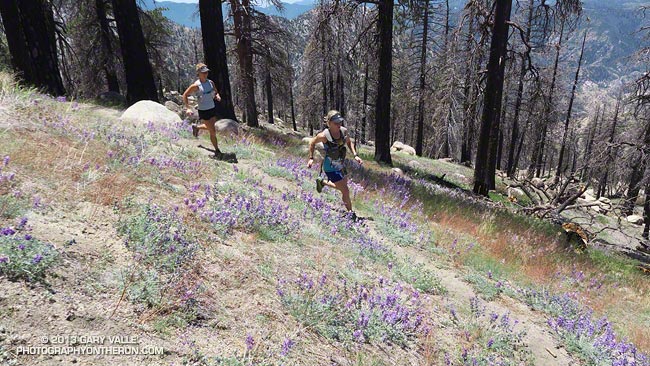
(5, 161)
(37, 259)
(250, 342)
(6, 231)
(493, 317)
(22, 222)
(358, 336)
(287, 344)
(4, 259)
(490, 343)
(28, 237)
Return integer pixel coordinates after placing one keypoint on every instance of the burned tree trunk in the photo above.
(242, 13)
(214, 49)
(423, 64)
(511, 166)
(30, 30)
(602, 183)
(383, 101)
(20, 58)
(540, 138)
(636, 176)
(585, 174)
(485, 165)
(568, 116)
(364, 116)
(140, 83)
(107, 46)
(293, 111)
(269, 92)
(465, 148)
(646, 212)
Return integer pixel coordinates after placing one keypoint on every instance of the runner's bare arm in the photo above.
(354, 151)
(190, 90)
(217, 97)
(312, 145)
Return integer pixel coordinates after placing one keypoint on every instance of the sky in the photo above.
(196, 1)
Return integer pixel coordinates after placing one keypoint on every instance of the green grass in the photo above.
(24, 257)
(420, 277)
(488, 290)
(12, 207)
(615, 265)
(484, 263)
(265, 270)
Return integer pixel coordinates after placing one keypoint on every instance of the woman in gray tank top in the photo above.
(206, 93)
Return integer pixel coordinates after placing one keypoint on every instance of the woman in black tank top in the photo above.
(335, 156)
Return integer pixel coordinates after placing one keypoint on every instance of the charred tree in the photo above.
(568, 116)
(20, 58)
(214, 49)
(540, 138)
(636, 176)
(383, 101)
(107, 46)
(511, 166)
(423, 69)
(468, 116)
(242, 22)
(269, 92)
(30, 30)
(602, 183)
(293, 111)
(485, 162)
(140, 84)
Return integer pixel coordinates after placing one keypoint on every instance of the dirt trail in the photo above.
(539, 339)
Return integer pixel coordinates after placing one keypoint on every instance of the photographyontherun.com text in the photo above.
(89, 345)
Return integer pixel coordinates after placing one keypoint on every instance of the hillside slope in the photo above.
(110, 229)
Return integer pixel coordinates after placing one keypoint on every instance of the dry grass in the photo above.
(541, 260)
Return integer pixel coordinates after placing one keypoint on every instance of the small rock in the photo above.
(397, 146)
(537, 182)
(605, 200)
(635, 219)
(172, 106)
(408, 149)
(397, 171)
(147, 111)
(587, 197)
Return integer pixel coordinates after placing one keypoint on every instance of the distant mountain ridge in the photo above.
(612, 42)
